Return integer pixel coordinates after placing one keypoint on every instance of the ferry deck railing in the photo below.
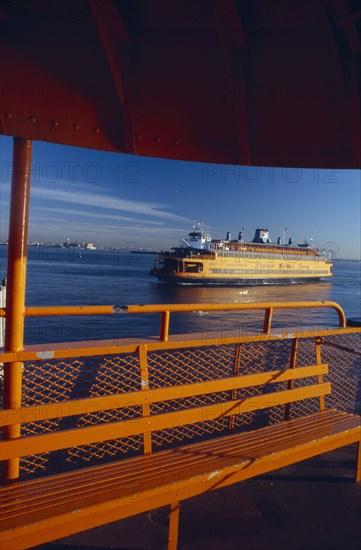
(60, 381)
(165, 311)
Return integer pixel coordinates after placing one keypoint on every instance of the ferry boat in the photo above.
(203, 260)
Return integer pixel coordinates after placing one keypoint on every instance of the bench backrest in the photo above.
(167, 411)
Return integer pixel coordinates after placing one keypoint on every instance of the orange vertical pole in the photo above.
(16, 281)
(144, 382)
(173, 526)
(318, 341)
(164, 325)
(293, 360)
(237, 362)
(267, 320)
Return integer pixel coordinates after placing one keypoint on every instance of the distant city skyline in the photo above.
(116, 199)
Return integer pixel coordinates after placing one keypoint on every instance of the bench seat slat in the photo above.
(107, 493)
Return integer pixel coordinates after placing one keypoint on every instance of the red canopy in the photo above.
(253, 82)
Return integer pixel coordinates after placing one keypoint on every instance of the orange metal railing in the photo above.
(165, 311)
(57, 367)
(93, 389)
(54, 375)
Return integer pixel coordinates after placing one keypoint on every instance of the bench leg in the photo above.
(173, 526)
(358, 465)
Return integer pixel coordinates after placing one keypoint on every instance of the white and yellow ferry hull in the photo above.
(228, 270)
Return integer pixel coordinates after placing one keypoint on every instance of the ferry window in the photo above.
(193, 267)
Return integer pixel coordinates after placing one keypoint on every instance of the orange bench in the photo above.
(41, 510)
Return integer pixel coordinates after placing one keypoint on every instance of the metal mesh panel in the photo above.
(343, 353)
(188, 366)
(59, 380)
(306, 352)
(115, 374)
(47, 382)
(305, 355)
(209, 363)
(258, 357)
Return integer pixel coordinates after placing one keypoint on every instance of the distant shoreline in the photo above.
(145, 252)
(154, 252)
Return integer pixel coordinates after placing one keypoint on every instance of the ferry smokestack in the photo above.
(240, 236)
(261, 236)
(228, 238)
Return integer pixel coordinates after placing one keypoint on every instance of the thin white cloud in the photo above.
(42, 219)
(88, 214)
(108, 202)
(101, 200)
(100, 217)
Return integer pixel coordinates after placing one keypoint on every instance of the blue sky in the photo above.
(119, 199)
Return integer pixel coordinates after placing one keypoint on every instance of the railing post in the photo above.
(16, 281)
(341, 316)
(236, 365)
(144, 384)
(164, 326)
(318, 342)
(267, 320)
(293, 359)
